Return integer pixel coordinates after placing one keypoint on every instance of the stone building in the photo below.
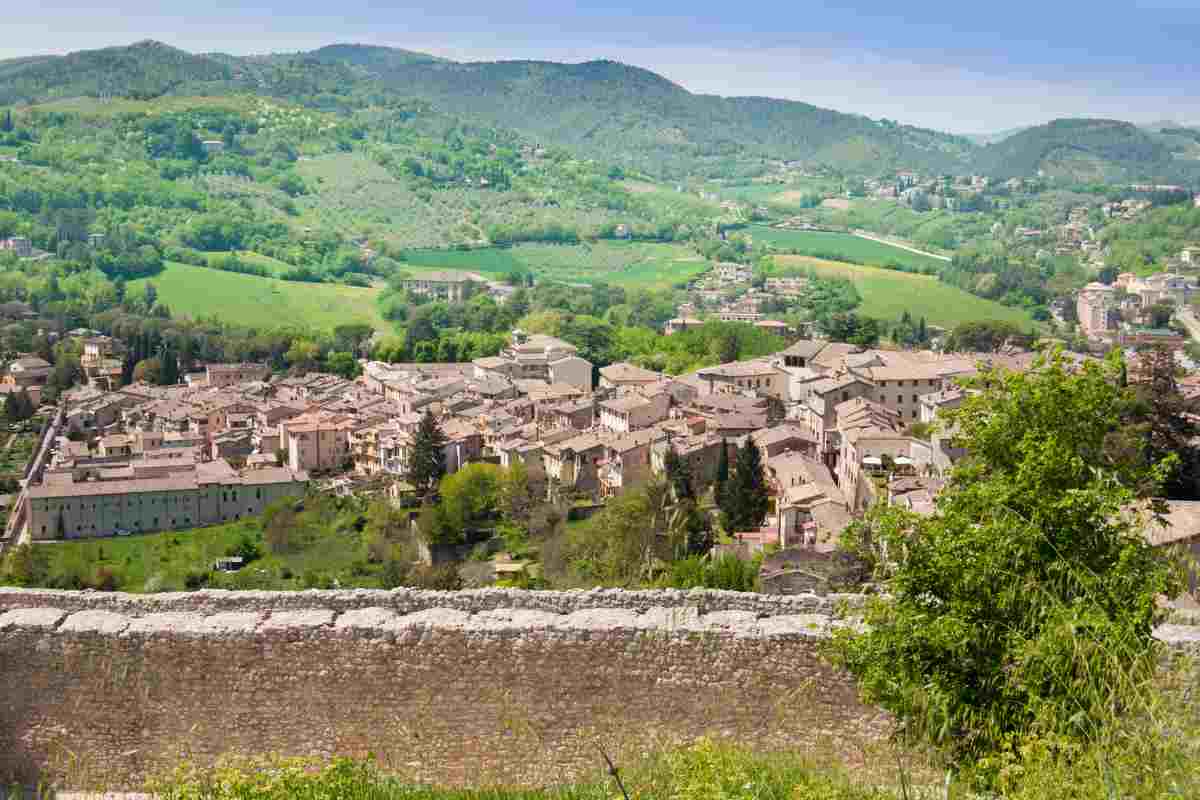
(451, 285)
(624, 375)
(1094, 308)
(219, 375)
(155, 498)
(537, 357)
(761, 376)
(633, 412)
(28, 372)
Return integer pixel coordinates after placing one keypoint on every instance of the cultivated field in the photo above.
(261, 302)
(645, 265)
(352, 194)
(823, 244)
(776, 194)
(887, 294)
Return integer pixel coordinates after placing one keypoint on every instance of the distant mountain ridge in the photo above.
(607, 110)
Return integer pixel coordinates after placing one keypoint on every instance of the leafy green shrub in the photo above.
(723, 572)
(1028, 602)
(443, 578)
(196, 579)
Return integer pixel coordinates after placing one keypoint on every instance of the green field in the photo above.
(887, 294)
(644, 265)
(163, 561)
(783, 195)
(261, 302)
(15, 450)
(822, 244)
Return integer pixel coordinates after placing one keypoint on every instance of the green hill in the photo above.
(600, 108)
(1092, 150)
(607, 109)
(139, 71)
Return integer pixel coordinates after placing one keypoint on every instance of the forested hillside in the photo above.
(1093, 150)
(603, 109)
(600, 109)
(609, 109)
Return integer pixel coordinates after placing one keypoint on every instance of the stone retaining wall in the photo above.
(478, 687)
(449, 687)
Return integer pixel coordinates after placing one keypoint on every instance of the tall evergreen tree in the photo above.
(746, 501)
(698, 532)
(427, 461)
(128, 364)
(721, 481)
(6, 122)
(168, 373)
(679, 473)
(25, 406)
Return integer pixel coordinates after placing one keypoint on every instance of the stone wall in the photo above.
(479, 687)
(450, 687)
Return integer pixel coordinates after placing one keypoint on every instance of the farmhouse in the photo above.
(451, 285)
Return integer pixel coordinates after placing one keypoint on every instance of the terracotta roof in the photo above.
(624, 371)
(739, 369)
(1181, 524)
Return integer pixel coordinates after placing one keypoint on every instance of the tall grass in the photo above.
(705, 770)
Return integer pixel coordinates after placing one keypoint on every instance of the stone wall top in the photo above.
(408, 601)
(383, 622)
(218, 613)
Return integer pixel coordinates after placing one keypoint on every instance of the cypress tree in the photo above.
(168, 373)
(679, 473)
(746, 499)
(24, 405)
(698, 533)
(722, 478)
(427, 461)
(127, 368)
(6, 122)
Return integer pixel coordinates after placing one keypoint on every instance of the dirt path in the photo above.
(11, 439)
(890, 243)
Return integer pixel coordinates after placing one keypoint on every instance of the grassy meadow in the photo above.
(324, 547)
(642, 265)
(887, 294)
(823, 244)
(261, 302)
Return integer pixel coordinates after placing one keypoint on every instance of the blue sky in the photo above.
(961, 66)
